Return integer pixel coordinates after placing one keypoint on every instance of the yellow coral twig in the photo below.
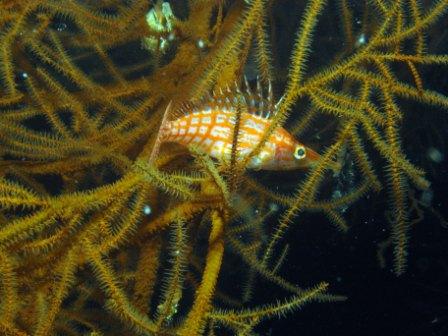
(194, 323)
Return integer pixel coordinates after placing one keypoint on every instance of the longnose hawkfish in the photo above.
(210, 124)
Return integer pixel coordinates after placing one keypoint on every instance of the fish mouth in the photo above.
(312, 156)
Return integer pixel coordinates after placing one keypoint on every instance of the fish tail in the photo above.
(160, 134)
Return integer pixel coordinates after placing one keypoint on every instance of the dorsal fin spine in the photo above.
(256, 102)
(246, 83)
(159, 138)
(259, 89)
(270, 97)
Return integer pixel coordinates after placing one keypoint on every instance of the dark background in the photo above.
(378, 302)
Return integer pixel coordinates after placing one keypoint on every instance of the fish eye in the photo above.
(300, 152)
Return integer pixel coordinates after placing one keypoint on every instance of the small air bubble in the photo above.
(361, 40)
(426, 197)
(61, 27)
(273, 206)
(434, 155)
(337, 194)
(171, 37)
(201, 44)
(147, 210)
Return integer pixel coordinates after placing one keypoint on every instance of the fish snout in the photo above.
(312, 156)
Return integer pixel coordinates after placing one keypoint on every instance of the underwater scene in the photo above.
(223, 167)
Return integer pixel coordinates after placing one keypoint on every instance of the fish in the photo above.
(210, 124)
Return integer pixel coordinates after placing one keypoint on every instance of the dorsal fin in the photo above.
(254, 100)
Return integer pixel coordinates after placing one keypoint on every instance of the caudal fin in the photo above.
(160, 133)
